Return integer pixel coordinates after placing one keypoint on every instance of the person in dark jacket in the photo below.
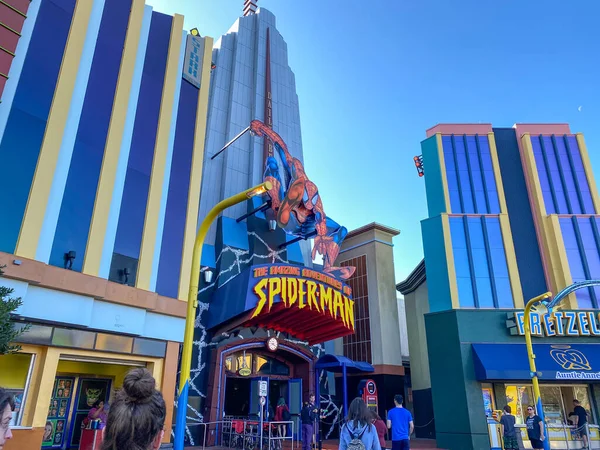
(308, 416)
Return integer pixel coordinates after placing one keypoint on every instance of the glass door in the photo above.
(295, 404)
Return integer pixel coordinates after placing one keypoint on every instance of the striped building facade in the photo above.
(103, 108)
(95, 120)
(513, 213)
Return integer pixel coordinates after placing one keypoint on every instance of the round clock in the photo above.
(272, 344)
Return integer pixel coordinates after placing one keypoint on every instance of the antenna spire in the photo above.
(250, 7)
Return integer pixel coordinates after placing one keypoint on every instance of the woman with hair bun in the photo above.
(137, 416)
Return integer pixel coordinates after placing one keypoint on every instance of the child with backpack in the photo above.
(358, 433)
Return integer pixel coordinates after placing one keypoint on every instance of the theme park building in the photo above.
(513, 213)
(110, 132)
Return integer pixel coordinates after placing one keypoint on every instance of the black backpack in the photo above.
(285, 415)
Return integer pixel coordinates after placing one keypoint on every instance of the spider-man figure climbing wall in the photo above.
(297, 205)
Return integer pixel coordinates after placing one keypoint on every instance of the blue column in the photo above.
(318, 400)
(345, 390)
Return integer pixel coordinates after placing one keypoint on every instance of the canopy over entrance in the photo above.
(573, 362)
(310, 305)
(343, 365)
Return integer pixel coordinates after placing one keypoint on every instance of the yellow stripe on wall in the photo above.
(161, 150)
(561, 271)
(440, 149)
(552, 247)
(104, 194)
(450, 261)
(35, 211)
(587, 165)
(191, 219)
(497, 175)
(511, 261)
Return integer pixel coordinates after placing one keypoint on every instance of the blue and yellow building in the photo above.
(512, 213)
(102, 129)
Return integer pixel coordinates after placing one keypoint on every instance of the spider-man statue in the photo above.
(296, 203)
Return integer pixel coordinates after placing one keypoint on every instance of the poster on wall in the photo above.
(487, 401)
(58, 411)
(17, 395)
(89, 391)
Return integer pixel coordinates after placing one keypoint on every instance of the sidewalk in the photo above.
(428, 444)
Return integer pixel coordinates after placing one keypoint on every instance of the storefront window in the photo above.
(16, 380)
(553, 404)
(488, 399)
(258, 364)
(557, 401)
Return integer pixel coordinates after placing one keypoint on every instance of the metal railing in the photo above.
(244, 434)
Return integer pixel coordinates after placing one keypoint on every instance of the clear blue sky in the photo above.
(372, 76)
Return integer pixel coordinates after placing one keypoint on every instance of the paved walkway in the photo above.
(334, 444)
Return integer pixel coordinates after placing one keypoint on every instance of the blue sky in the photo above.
(373, 76)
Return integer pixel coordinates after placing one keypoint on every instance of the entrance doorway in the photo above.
(237, 397)
(288, 371)
(78, 385)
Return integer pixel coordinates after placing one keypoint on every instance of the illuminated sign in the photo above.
(559, 323)
(244, 372)
(301, 288)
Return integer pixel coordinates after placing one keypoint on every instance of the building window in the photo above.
(480, 263)
(560, 169)
(581, 237)
(470, 174)
(357, 346)
(16, 381)
(258, 364)
(557, 401)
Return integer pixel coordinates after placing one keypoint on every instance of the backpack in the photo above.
(285, 415)
(356, 443)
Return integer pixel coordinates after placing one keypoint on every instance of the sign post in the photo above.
(262, 389)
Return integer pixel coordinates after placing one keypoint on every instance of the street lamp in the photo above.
(188, 337)
(540, 303)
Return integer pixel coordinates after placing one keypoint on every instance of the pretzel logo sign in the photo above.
(569, 358)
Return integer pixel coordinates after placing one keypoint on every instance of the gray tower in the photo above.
(252, 80)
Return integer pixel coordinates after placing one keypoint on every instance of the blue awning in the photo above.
(573, 362)
(336, 363)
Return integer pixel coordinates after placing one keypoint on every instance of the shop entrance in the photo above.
(78, 385)
(287, 374)
(241, 396)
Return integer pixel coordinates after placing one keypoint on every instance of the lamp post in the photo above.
(188, 337)
(546, 306)
(536, 301)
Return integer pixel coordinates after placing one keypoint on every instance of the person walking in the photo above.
(401, 423)
(381, 428)
(359, 433)
(535, 429)
(509, 434)
(7, 404)
(136, 419)
(308, 416)
(580, 421)
(282, 414)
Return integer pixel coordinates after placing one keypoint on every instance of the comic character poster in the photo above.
(90, 391)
